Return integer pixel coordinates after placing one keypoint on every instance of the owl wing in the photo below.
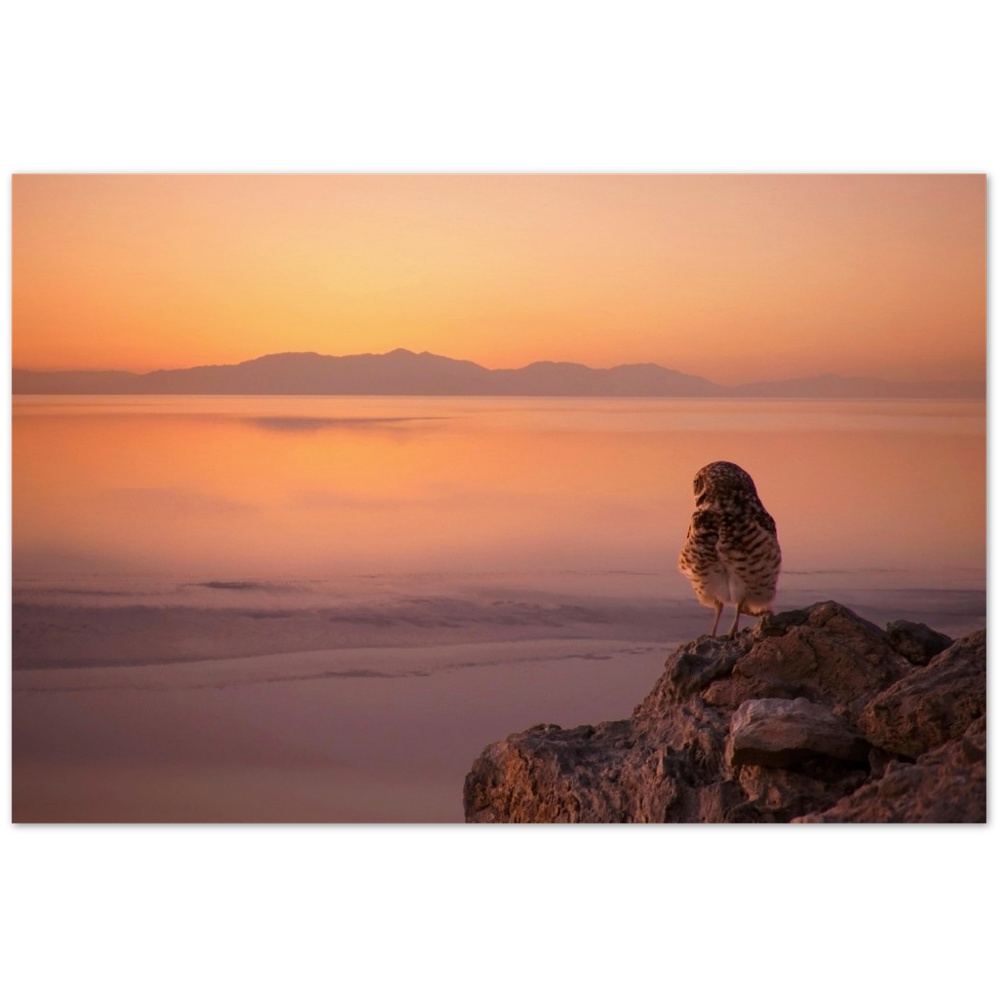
(765, 520)
(746, 531)
(700, 549)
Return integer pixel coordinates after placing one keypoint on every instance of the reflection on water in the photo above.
(287, 486)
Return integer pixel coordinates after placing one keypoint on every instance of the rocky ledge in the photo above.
(815, 716)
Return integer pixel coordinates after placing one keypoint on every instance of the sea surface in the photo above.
(321, 608)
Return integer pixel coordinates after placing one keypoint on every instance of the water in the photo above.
(288, 487)
(298, 584)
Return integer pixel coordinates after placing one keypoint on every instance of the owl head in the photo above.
(722, 478)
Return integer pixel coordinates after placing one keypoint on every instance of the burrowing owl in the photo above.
(731, 555)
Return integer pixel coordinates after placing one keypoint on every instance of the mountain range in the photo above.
(405, 373)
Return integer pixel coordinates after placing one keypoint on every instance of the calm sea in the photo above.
(329, 606)
(872, 493)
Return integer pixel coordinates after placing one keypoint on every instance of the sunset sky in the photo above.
(730, 277)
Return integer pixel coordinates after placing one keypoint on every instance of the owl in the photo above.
(731, 555)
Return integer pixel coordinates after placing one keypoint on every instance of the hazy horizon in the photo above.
(465, 359)
(402, 372)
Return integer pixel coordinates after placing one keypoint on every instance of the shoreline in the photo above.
(61, 629)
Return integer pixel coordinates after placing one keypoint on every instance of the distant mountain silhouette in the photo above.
(404, 373)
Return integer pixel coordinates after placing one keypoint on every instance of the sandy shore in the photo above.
(244, 701)
(369, 735)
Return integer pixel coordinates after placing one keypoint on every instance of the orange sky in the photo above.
(730, 277)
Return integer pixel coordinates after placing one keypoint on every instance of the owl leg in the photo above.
(736, 620)
(718, 615)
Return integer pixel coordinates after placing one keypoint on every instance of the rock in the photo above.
(776, 732)
(779, 794)
(697, 664)
(947, 785)
(932, 704)
(815, 716)
(828, 655)
(918, 643)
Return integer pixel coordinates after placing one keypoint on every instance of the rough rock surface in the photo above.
(932, 704)
(815, 716)
(777, 732)
(918, 643)
(947, 785)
